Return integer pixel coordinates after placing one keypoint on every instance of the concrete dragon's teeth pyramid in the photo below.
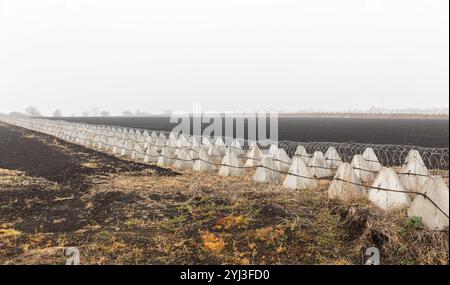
(183, 159)
(165, 159)
(204, 162)
(194, 142)
(433, 219)
(266, 173)
(333, 158)
(231, 165)
(388, 200)
(413, 155)
(253, 156)
(361, 168)
(137, 153)
(151, 155)
(414, 174)
(236, 144)
(282, 160)
(372, 159)
(206, 141)
(127, 149)
(345, 185)
(303, 154)
(304, 180)
(161, 141)
(215, 153)
(318, 165)
(273, 149)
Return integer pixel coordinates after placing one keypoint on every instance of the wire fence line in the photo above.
(302, 176)
(99, 137)
(398, 191)
(94, 137)
(330, 178)
(387, 154)
(122, 147)
(92, 142)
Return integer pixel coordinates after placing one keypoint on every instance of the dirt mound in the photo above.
(274, 211)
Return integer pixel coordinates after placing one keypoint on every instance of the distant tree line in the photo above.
(32, 111)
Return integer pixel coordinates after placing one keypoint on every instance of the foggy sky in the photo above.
(226, 55)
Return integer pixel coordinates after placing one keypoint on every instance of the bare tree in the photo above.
(85, 114)
(57, 113)
(105, 114)
(127, 113)
(33, 111)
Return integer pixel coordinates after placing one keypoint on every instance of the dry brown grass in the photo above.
(401, 240)
(199, 218)
(13, 179)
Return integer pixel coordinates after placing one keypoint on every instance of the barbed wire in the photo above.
(388, 154)
(94, 139)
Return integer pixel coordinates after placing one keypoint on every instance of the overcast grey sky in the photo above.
(259, 54)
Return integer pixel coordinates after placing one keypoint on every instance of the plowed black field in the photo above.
(427, 133)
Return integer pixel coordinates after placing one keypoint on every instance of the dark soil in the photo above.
(58, 207)
(39, 155)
